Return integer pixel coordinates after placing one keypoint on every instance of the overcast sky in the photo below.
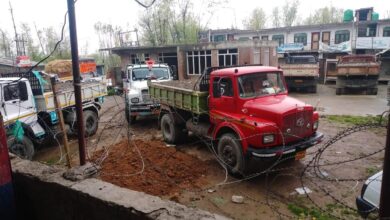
(124, 13)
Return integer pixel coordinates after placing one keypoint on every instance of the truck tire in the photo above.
(313, 89)
(172, 133)
(23, 148)
(90, 122)
(229, 151)
(130, 118)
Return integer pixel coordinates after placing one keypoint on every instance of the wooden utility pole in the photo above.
(76, 80)
(57, 104)
(384, 210)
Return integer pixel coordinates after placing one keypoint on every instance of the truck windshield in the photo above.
(144, 73)
(260, 84)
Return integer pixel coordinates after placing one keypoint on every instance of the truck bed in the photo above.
(293, 70)
(89, 91)
(358, 69)
(180, 94)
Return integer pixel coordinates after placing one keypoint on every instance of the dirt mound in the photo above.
(166, 172)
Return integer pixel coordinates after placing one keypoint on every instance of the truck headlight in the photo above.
(134, 100)
(315, 125)
(268, 138)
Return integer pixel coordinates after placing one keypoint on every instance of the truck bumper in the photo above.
(301, 81)
(144, 109)
(286, 150)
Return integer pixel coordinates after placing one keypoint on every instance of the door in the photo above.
(17, 101)
(315, 39)
(223, 95)
(326, 37)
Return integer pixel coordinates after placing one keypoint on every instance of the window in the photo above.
(279, 38)
(264, 37)
(367, 30)
(228, 57)
(341, 36)
(218, 38)
(260, 84)
(225, 86)
(11, 92)
(243, 38)
(386, 32)
(300, 38)
(255, 38)
(197, 61)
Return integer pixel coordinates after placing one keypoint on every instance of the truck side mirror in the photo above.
(216, 89)
(174, 72)
(23, 93)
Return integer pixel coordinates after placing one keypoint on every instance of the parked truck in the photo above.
(244, 111)
(138, 101)
(301, 72)
(357, 73)
(29, 112)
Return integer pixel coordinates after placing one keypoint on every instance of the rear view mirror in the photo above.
(216, 89)
(174, 72)
(23, 93)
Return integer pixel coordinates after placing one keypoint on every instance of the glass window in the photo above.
(228, 57)
(226, 87)
(279, 38)
(11, 92)
(218, 38)
(260, 84)
(386, 32)
(341, 36)
(146, 73)
(197, 61)
(300, 38)
(264, 37)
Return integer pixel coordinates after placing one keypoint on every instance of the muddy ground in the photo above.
(137, 158)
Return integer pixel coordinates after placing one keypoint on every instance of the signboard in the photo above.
(341, 47)
(290, 47)
(373, 43)
(23, 61)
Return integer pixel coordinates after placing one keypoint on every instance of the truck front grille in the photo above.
(145, 95)
(297, 126)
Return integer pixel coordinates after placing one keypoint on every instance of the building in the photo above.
(191, 60)
(364, 34)
(360, 33)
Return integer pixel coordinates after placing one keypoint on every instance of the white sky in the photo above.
(125, 13)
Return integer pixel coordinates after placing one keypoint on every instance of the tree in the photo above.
(256, 20)
(325, 15)
(290, 11)
(32, 49)
(5, 44)
(275, 17)
(169, 21)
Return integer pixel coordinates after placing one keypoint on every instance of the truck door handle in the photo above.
(13, 102)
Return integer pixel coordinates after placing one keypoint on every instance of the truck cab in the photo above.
(138, 100)
(264, 117)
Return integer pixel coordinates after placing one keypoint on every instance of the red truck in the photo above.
(245, 111)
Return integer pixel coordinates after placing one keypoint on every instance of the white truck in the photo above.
(29, 112)
(138, 101)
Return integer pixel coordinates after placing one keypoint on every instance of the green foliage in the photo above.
(161, 24)
(354, 120)
(308, 213)
(290, 12)
(325, 15)
(256, 20)
(111, 92)
(372, 170)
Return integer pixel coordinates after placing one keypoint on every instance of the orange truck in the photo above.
(63, 68)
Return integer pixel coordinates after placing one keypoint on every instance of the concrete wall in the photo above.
(42, 193)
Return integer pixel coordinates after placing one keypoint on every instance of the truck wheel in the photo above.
(130, 118)
(230, 152)
(172, 132)
(313, 89)
(23, 148)
(90, 122)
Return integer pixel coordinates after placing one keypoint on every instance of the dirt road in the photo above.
(138, 159)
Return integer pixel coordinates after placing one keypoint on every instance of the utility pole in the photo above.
(19, 49)
(384, 211)
(76, 80)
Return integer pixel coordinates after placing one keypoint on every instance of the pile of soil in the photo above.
(184, 84)
(166, 172)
